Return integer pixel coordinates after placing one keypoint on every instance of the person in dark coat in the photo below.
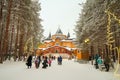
(29, 61)
(39, 58)
(96, 58)
(59, 60)
(45, 63)
(107, 63)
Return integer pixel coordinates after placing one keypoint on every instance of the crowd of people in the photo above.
(43, 60)
(99, 62)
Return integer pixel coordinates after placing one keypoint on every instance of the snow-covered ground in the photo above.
(69, 70)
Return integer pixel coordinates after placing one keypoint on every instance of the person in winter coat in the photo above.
(39, 59)
(107, 63)
(100, 62)
(96, 58)
(60, 60)
(49, 62)
(37, 62)
(45, 63)
(29, 61)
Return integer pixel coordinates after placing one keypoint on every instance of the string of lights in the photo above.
(111, 40)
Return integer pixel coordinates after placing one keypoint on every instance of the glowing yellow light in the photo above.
(87, 40)
(111, 40)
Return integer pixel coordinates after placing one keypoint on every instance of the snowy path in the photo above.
(70, 70)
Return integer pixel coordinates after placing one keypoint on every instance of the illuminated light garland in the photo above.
(110, 40)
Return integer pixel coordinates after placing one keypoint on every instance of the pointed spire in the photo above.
(49, 37)
(68, 35)
(59, 31)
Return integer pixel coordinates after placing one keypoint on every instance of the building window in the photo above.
(57, 44)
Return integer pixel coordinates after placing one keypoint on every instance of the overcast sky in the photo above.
(63, 13)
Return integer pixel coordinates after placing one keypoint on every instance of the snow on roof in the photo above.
(58, 46)
(47, 40)
(69, 40)
(73, 48)
(68, 48)
(42, 48)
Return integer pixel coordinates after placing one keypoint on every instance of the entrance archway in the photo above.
(55, 51)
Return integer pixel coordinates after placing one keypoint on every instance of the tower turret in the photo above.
(59, 31)
(68, 35)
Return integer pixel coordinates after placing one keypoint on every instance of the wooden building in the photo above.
(57, 44)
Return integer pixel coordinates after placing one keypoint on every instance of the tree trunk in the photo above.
(1, 40)
(5, 41)
(1, 8)
(92, 53)
(21, 46)
(17, 42)
(11, 42)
